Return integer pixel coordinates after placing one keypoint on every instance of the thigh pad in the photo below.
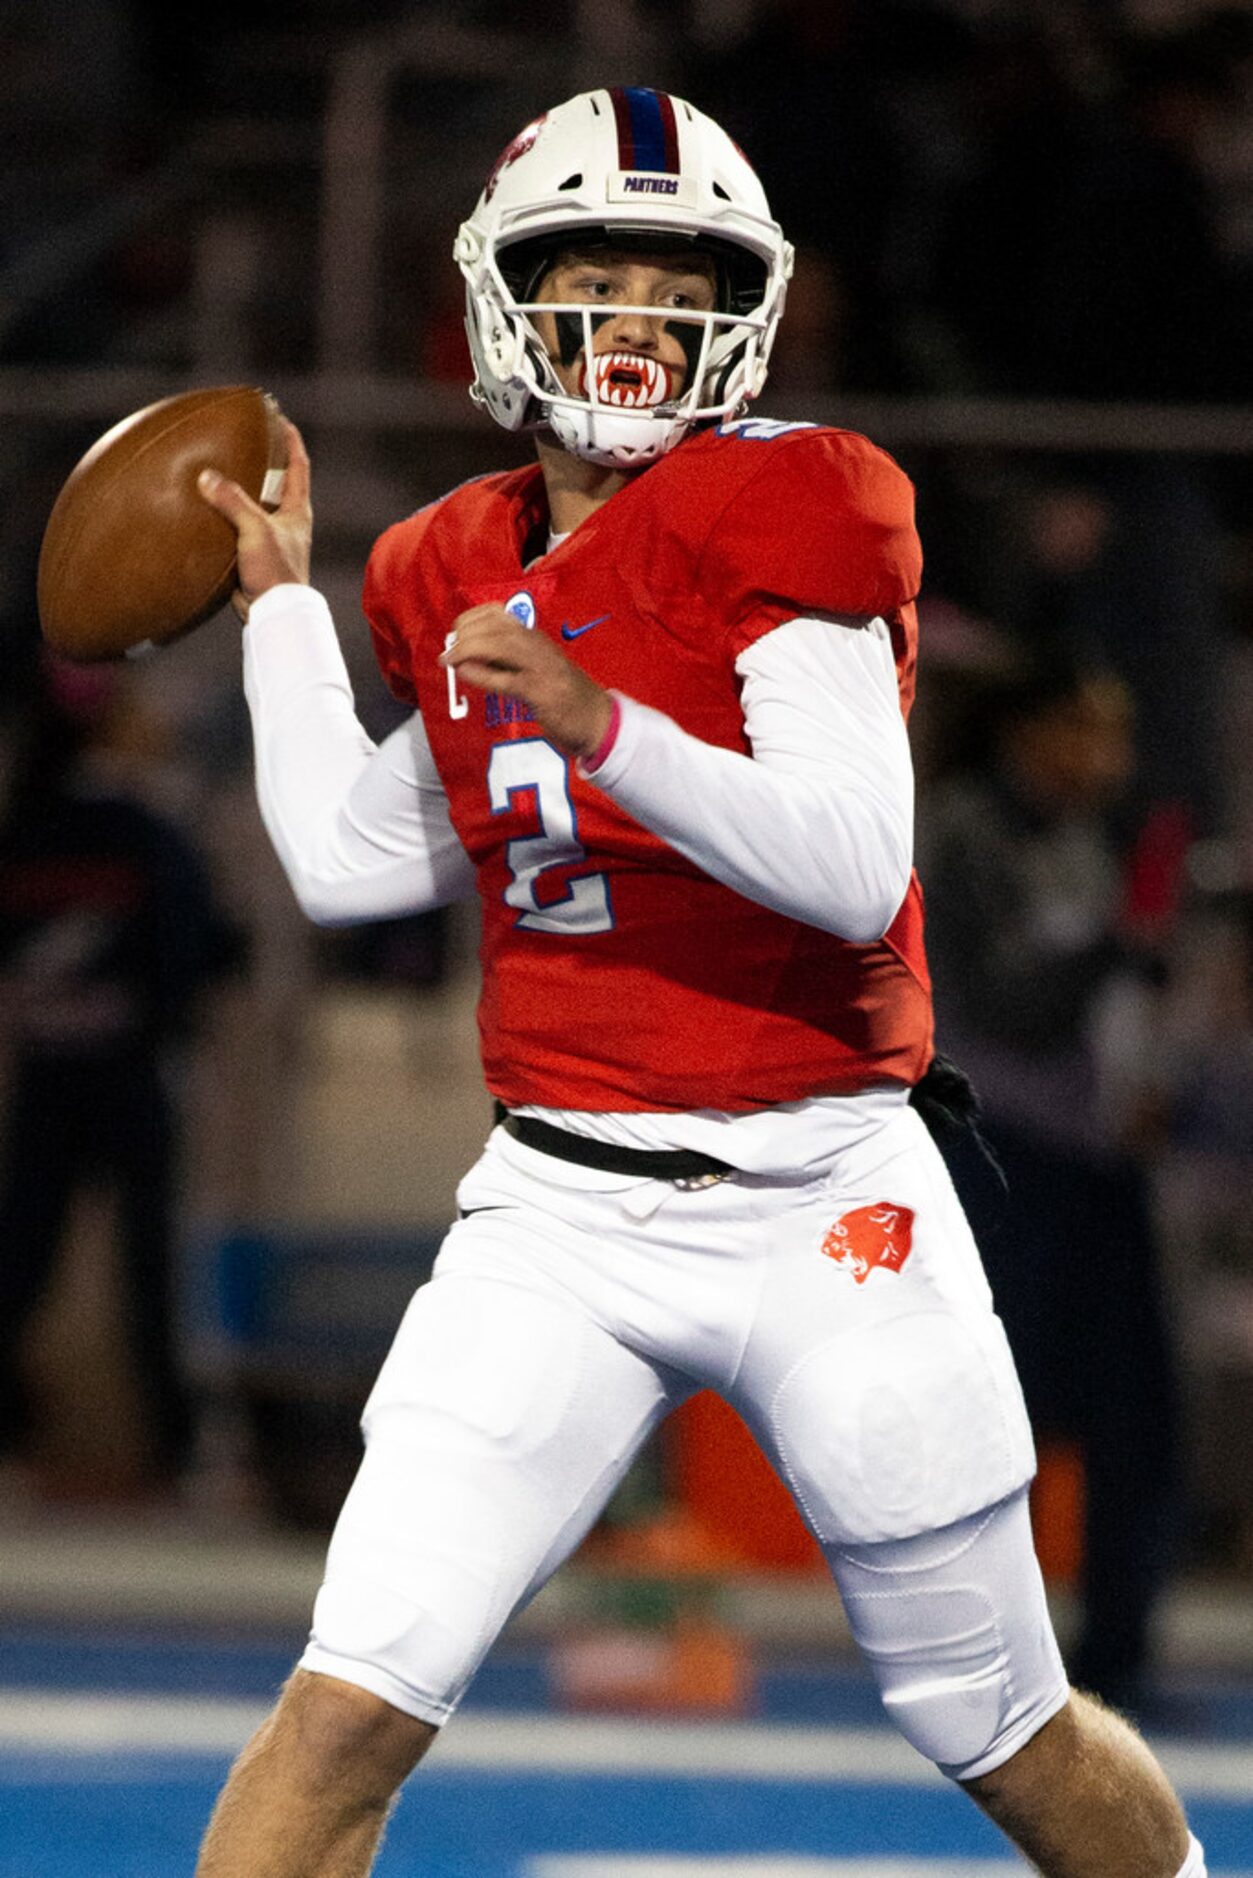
(901, 1426)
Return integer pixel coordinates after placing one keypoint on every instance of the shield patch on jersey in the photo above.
(870, 1238)
(522, 606)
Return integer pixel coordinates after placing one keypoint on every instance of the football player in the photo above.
(659, 683)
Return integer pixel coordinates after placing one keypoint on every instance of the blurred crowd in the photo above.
(993, 199)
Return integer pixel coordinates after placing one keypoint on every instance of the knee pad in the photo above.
(942, 1669)
(955, 1627)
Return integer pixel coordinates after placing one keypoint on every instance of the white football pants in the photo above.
(844, 1315)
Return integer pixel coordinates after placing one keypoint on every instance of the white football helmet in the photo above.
(620, 168)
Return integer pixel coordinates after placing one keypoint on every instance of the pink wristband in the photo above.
(601, 753)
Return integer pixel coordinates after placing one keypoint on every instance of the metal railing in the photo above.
(359, 401)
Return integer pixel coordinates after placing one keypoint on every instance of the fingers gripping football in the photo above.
(492, 651)
(275, 546)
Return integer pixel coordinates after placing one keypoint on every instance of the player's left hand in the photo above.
(494, 652)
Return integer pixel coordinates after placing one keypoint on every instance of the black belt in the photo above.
(607, 1156)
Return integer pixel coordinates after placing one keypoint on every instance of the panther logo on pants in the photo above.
(869, 1237)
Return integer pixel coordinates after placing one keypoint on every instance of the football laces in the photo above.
(627, 381)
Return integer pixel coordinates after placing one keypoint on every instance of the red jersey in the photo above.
(617, 975)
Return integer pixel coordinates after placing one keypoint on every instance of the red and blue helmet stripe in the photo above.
(648, 136)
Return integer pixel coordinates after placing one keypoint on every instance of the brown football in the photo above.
(132, 554)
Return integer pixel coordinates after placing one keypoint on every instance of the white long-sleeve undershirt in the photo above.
(816, 823)
(362, 830)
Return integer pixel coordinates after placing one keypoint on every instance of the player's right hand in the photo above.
(275, 546)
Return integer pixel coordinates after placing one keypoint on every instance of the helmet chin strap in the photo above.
(614, 439)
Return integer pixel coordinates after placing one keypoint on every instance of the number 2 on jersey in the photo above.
(532, 764)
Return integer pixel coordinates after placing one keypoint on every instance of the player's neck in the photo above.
(575, 489)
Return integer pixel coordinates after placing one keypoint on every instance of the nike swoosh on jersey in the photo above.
(577, 632)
